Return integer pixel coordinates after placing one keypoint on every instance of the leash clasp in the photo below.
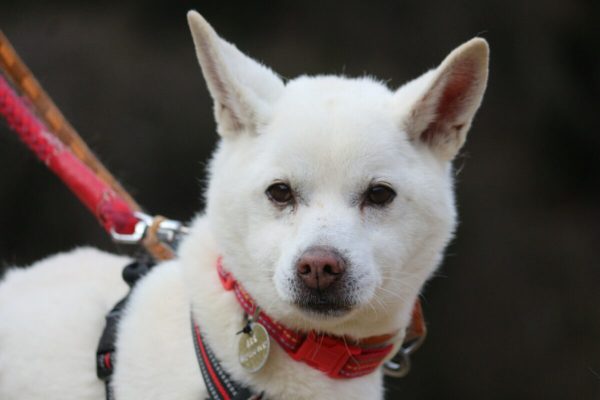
(167, 230)
(130, 238)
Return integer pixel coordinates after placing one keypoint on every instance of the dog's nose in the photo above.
(320, 267)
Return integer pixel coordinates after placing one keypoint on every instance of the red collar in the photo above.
(338, 357)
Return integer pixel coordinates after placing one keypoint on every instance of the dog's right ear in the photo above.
(242, 89)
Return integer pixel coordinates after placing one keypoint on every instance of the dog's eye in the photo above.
(380, 195)
(280, 193)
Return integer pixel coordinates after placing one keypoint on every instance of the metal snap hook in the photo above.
(399, 365)
(130, 238)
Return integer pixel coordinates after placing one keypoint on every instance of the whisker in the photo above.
(401, 273)
(401, 279)
(381, 303)
(404, 285)
(348, 350)
(401, 296)
(374, 308)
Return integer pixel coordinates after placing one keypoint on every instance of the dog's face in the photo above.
(331, 198)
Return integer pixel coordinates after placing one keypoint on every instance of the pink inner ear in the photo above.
(457, 89)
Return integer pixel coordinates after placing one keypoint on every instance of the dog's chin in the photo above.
(324, 308)
(333, 304)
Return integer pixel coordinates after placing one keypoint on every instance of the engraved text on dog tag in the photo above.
(254, 348)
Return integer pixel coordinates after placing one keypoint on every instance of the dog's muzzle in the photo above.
(321, 281)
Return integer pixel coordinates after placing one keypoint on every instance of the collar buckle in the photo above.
(325, 354)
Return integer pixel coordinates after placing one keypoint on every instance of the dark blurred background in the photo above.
(514, 312)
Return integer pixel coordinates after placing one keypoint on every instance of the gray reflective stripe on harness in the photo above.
(218, 383)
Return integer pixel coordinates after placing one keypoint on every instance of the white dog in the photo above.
(330, 201)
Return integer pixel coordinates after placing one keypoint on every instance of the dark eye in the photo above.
(280, 193)
(380, 195)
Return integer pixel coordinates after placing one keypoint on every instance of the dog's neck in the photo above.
(221, 317)
(337, 357)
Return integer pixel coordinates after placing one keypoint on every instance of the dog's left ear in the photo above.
(442, 102)
(242, 89)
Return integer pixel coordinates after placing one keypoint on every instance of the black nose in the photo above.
(319, 267)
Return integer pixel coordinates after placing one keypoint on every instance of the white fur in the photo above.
(51, 317)
(328, 137)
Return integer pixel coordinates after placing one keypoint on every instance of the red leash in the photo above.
(108, 207)
(41, 125)
(37, 100)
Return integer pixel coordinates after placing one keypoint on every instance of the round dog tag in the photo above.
(253, 349)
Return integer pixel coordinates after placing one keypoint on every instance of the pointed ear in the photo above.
(243, 90)
(443, 102)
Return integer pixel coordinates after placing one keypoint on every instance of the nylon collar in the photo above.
(337, 357)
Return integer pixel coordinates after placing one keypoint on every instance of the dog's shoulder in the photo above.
(155, 336)
(159, 291)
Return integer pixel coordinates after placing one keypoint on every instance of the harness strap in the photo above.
(218, 383)
(105, 352)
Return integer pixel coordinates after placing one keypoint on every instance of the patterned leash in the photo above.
(38, 122)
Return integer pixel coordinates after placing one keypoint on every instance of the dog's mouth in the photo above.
(326, 306)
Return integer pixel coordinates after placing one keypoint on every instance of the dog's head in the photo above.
(331, 198)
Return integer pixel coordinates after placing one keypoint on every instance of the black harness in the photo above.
(219, 384)
(105, 353)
